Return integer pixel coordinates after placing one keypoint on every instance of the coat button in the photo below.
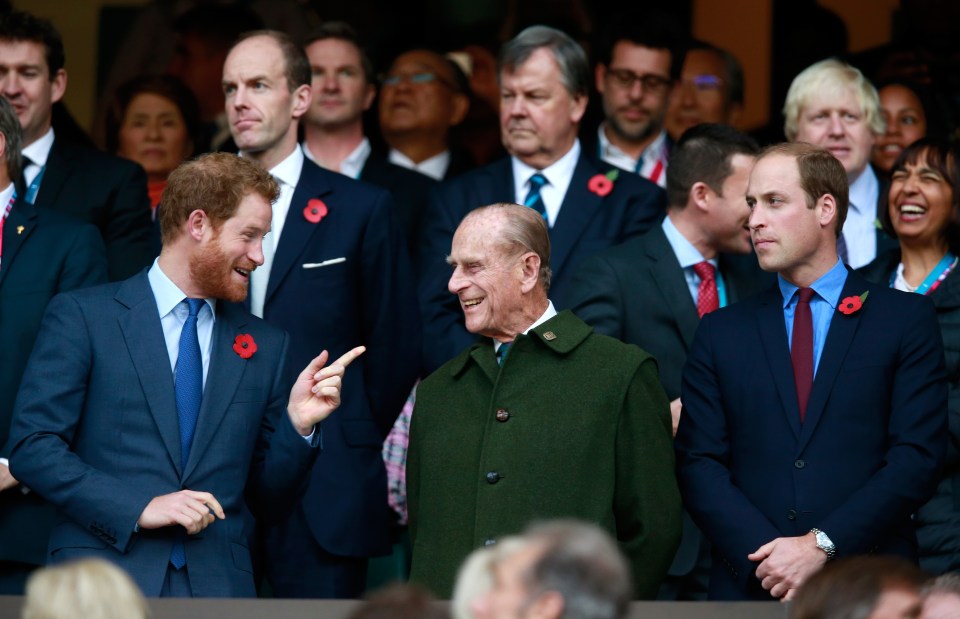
(799, 464)
(489, 542)
(791, 514)
(493, 477)
(503, 415)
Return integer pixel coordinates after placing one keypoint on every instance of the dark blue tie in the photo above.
(502, 352)
(188, 387)
(534, 200)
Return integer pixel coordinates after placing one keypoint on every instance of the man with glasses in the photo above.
(422, 96)
(710, 90)
(640, 58)
(588, 205)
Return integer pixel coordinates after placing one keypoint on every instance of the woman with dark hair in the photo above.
(923, 212)
(154, 121)
(906, 109)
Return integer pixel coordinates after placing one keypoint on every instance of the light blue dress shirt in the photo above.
(823, 306)
(687, 255)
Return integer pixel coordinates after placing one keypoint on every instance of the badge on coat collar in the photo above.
(549, 336)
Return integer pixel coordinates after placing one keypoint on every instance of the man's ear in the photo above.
(826, 209)
(459, 106)
(302, 97)
(58, 85)
(530, 271)
(699, 196)
(197, 224)
(369, 94)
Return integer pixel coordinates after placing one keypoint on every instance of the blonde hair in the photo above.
(89, 588)
(831, 77)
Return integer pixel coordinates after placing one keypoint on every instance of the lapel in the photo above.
(668, 277)
(23, 215)
(577, 210)
(143, 336)
(223, 378)
(481, 352)
(497, 183)
(297, 231)
(773, 336)
(839, 337)
(59, 164)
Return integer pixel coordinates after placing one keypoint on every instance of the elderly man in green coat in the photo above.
(546, 419)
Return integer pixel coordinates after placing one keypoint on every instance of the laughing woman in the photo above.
(923, 212)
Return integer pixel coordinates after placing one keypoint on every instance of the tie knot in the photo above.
(502, 351)
(537, 180)
(805, 294)
(194, 306)
(704, 270)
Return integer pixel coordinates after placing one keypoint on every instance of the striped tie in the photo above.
(534, 200)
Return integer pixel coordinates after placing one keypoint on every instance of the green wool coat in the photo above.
(573, 425)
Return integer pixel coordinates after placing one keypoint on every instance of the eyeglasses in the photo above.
(415, 79)
(625, 78)
(703, 83)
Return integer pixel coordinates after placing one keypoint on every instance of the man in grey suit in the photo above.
(157, 408)
(651, 291)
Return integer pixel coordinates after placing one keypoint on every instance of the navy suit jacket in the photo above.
(867, 456)
(107, 191)
(44, 253)
(587, 223)
(95, 432)
(409, 190)
(366, 299)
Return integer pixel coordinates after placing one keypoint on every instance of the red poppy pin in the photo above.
(315, 211)
(602, 184)
(244, 345)
(852, 305)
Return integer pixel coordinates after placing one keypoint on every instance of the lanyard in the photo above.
(34, 187)
(936, 276)
(3, 219)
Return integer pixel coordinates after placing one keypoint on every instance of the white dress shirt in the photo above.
(860, 228)
(173, 314)
(352, 164)
(435, 167)
(558, 176)
(287, 174)
(655, 152)
(38, 152)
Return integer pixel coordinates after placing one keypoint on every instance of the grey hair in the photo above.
(524, 229)
(584, 565)
(570, 57)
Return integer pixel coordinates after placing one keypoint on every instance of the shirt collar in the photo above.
(686, 253)
(864, 192)
(5, 196)
(288, 171)
(828, 287)
(434, 167)
(353, 161)
(562, 168)
(549, 313)
(167, 294)
(39, 151)
(652, 151)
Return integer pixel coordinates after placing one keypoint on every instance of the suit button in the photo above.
(799, 464)
(489, 542)
(493, 477)
(791, 514)
(503, 415)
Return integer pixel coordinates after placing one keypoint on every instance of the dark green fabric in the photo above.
(587, 435)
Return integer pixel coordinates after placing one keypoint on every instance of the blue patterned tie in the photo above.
(188, 387)
(534, 200)
(502, 352)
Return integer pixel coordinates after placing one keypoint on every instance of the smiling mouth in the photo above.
(245, 273)
(472, 302)
(911, 212)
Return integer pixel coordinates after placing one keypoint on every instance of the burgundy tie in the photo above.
(801, 351)
(707, 297)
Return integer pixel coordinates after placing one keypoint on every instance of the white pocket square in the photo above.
(325, 263)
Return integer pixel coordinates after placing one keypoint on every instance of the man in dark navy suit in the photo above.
(814, 415)
(336, 272)
(107, 191)
(42, 253)
(343, 89)
(156, 411)
(588, 205)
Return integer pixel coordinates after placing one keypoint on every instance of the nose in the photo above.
(456, 282)
(836, 125)
(153, 130)
(256, 252)
(10, 84)
(688, 94)
(239, 98)
(330, 83)
(893, 126)
(514, 107)
(755, 221)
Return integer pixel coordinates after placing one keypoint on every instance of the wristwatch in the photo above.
(824, 543)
